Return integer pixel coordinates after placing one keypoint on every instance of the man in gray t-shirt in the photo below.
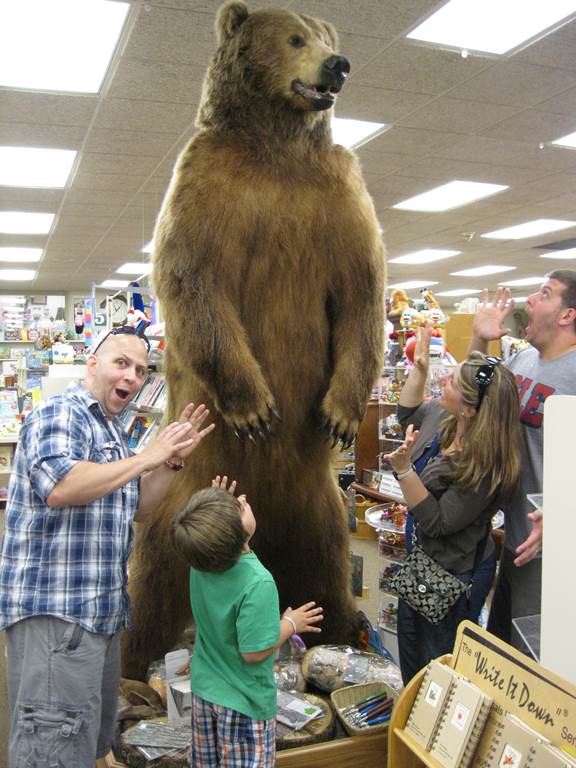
(547, 368)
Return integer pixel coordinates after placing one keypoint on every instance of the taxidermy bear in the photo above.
(269, 267)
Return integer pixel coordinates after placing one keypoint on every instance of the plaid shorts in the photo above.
(224, 738)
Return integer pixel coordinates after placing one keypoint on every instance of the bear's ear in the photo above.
(230, 18)
(332, 34)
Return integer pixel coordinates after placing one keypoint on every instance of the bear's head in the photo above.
(287, 60)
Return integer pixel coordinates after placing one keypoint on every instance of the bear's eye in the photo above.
(296, 41)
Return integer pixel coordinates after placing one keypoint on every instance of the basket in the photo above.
(344, 697)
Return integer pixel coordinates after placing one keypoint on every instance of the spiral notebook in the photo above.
(465, 713)
(509, 742)
(548, 756)
(429, 703)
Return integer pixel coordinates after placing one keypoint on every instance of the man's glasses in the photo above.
(120, 330)
(484, 375)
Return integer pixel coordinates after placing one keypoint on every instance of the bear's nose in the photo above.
(338, 66)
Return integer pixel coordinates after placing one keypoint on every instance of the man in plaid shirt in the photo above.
(75, 490)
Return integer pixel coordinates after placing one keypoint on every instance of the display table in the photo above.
(357, 751)
(528, 629)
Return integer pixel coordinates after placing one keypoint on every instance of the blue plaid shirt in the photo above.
(68, 562)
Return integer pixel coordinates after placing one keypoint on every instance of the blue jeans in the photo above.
(419, 641)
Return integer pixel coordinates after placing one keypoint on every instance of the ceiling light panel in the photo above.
(492, 26)
(566, 141)
(17, 274)
(425, 256)
(21, 255)
(567, 253)
(135, 268)
(58, 45)
(529, 229)
(408, 285)
(487, 269)
(454, 194)
(32, 167)
(352, 133)
(525, 281)
(114, 284)
(459, 292)
(24, 223)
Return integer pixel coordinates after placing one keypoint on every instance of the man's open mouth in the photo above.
(123, 394)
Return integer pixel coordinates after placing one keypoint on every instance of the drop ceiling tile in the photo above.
(419, 69)
(382, 20)
(46, 109)
(108, 181)
(174, 35)
(555, 50)
(154, 116)
(34, 135)
(515, 83)
(157, 81)
(417, 142)
(116, 141)
(365, 102)
(447, 114)
(20, 198)
(128, 165)
(532, 125)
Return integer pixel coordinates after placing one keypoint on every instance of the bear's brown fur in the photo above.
(269, 267)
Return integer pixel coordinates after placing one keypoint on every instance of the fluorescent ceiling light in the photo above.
(20, 223)
(58, 45)
(525, 281)
(114, 284)
(520, 299)
(529, 229)
(20, 255)
(352, 133)
(567, 253)
(459, 292)
(426, 256)
(148, 248)
(566, 141)
(487, 269)
(31, 167)
(17, 274)
(13, 299)
(135, 268)
(412, 284)
(494, 26)
(451, 195)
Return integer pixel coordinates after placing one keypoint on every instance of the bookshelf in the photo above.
(142, 418)
(518, 685)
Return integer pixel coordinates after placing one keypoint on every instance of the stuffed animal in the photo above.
(269, 267)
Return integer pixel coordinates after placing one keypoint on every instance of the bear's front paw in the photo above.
(256, 423)
(338, 423)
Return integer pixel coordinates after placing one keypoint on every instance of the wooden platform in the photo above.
(358, 751)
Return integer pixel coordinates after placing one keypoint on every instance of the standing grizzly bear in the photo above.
(269, 267)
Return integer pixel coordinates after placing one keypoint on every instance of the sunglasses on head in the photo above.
(484, 375)
(119, 331)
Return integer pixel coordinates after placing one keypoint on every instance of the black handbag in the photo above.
(426, 586)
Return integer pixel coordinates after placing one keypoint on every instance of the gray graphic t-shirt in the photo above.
(537, 379)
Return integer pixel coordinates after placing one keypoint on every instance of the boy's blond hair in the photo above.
(208, 532)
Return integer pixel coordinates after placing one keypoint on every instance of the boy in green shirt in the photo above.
(238, 628)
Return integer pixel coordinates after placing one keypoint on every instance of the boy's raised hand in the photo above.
(222, 482)
(306, 617)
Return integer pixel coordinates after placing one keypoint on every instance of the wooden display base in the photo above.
(359, 751)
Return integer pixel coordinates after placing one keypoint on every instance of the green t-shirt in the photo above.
(236, 612)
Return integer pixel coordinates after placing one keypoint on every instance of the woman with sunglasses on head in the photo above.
(458, 464)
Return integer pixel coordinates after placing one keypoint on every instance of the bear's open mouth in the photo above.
(320, 93)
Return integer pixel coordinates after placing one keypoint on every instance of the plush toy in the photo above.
(428, 297)
(399, 303)
(269, 267)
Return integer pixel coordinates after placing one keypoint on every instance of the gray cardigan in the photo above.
(452, 521)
